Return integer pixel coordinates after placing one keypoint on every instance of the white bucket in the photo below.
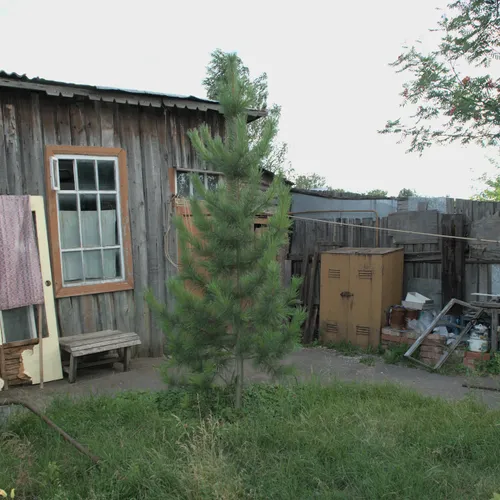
(478, 345)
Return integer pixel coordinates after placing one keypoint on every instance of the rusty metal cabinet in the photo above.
(357, 287)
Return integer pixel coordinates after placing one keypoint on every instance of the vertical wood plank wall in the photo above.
(154, 140)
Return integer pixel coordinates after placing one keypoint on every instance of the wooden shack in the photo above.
(110, 165)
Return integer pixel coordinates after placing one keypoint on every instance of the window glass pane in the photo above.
(212, 181)
(69, 230)
(106, 172)
(112, 264)
(66, 175)
(16, 324)
(183, 184)
(93, 265)
(86, 175)
(89, 220)
(109, 220)
(72, 267)
(196, 194)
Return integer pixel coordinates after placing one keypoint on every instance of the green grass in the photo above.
(395, 354)
(348, 349)
(342, 441)
(367, 360)
(454, 366)
(391, 355)
(490, 367)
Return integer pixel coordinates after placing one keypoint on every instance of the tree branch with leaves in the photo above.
(450, 104)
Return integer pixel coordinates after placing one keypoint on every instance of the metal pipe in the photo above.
(377, 219)
(65, 435)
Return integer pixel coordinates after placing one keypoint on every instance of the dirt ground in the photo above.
(323, 364)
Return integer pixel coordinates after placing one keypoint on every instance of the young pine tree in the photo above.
(230, 305)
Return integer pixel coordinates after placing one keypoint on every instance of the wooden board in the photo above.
(82, 345)
(104, 347)
(154, 219)
(453, 259)
(422, 222)
(76, 339)
(130, 137)
(4, 178)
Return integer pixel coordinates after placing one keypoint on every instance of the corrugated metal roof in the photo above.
(43, 81)
(344, 196)
(110, 94)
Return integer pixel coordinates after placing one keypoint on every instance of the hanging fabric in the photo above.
(20, 274)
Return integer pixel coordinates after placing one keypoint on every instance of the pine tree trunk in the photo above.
(239, 382)
(239, 357)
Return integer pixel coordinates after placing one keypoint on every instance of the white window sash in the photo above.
(105, 259)
(31, 325)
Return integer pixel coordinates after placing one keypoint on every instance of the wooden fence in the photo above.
(453, 267)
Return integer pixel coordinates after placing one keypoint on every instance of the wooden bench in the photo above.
(93, 343)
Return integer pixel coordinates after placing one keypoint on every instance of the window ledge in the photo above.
(20, 343)
(74, 291)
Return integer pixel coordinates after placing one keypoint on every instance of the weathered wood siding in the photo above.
(155, 140)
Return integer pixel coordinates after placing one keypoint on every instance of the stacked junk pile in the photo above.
(465, 330)
(359, 294)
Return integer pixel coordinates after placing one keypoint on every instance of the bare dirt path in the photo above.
(322, 364)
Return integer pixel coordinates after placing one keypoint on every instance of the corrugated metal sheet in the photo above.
(302, 202)
(25, 78)
(109, 94)
(345, 195)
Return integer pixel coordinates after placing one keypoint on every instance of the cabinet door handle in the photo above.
(345, 295)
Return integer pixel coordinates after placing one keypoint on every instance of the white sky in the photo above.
(327, 64)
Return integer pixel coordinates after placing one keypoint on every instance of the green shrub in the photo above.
(488, 367)
(395, 354)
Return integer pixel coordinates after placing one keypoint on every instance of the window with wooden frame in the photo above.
(88, 219)
(17, 325)
(184, 187)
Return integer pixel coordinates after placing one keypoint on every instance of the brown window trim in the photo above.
(172, 177)
(55, 251)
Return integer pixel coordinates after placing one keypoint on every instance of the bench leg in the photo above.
(126, 359)
(73, 363)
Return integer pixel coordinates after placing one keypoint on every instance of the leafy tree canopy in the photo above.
(257, 94)
(454, 89)
(407, 193)
(377, 193)
(310, 181)
(491, 191)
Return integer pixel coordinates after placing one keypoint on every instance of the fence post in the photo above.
(453, 259)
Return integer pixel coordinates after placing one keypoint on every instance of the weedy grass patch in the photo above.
(340, 441)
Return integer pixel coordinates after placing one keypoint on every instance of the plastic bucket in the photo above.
(478, 345)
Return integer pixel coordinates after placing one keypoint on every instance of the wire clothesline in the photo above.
(405, 231)
(348, 224)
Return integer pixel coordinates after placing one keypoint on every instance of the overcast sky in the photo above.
(327, 64)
